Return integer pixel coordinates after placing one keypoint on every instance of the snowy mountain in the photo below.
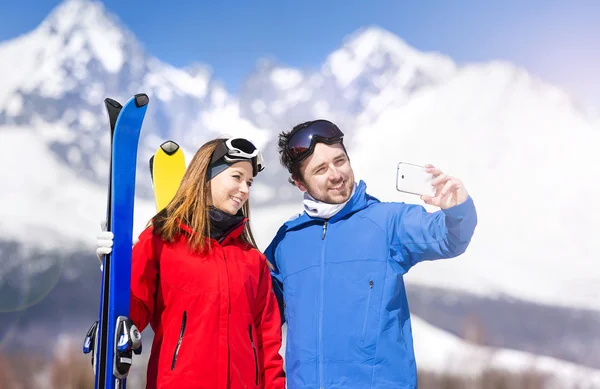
(57, 76)
(523, 148)
(373, 71)
(370, 72)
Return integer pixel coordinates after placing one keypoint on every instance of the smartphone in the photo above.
(414, 179)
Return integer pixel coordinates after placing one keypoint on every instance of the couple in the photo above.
(334, 273)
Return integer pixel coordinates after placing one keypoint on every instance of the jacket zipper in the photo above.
(181, 332)
(364, 331)
(255, 356)
(320, 355)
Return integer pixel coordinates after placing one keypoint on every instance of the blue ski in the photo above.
(90, 344)
(117, 338)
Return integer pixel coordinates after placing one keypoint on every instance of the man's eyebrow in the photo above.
(318, 167)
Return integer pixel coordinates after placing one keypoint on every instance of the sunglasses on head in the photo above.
(302, 142)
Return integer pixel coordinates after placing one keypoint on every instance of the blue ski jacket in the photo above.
(340, 285)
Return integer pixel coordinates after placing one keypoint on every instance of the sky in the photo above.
(558, 41)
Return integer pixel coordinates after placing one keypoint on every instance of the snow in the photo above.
(167, 79)
(299, 94)
(14, 106)
(100, 32)
(225, 121)
(286, 78)
(88, 120)
(20, 49)
(58, 132)
(219, 96)
(344, 68)
(277, 107)
(94, 93)
(372, 46)
(50, 207)
(74, 156)
(103, 44)
(258, 106)
(524, 152)
(439, 351)
(524, 156)
(316, 80)
(321, 108)
(199, 70)
(74, 33)
(29, 207)
(522, 148)
(518, 144)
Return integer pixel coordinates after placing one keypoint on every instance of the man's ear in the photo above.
(299, 185)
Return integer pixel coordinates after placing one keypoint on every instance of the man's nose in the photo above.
(336, 175)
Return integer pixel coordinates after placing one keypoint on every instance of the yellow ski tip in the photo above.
(168, 168)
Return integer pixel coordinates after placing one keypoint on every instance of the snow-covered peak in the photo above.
(59, 74)
(373, 70)
(77, 42)
(369, 39)
(199, 70)
(84, 22)
(73, 13)
(374, 48)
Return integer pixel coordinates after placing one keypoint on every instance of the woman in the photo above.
(200, 282)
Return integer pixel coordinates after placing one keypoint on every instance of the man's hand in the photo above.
(449, 191)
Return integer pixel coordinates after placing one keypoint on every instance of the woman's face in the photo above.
(230, 188)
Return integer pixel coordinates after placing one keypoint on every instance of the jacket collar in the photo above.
(230, 235)
(357, 202)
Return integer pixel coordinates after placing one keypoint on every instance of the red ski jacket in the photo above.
(215, 317)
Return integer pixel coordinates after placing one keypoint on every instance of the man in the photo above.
(338, 267)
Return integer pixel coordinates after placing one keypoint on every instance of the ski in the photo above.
(113, 108)
(116, 337)
(167, 167)
(90, 344)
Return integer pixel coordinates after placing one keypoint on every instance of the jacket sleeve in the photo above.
(268, 332)
(144, 272)
(420, 236)
(276, 274)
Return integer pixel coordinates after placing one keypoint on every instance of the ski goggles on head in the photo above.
(302, 142)
(238, 149)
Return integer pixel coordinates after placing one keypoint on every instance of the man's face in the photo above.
(327, 174)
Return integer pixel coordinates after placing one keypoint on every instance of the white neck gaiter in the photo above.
(316, 208)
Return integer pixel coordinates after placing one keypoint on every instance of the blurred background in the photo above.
(504, 95)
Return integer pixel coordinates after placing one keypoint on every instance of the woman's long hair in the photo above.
(190, 204)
